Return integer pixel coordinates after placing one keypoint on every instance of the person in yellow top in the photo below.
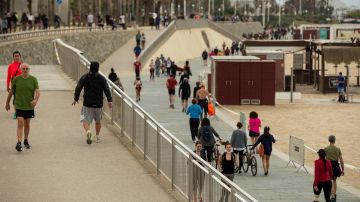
(333, 153)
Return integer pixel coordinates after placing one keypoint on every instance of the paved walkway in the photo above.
(283, 184)
(60, 166)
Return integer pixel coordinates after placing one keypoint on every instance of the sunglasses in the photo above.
(25, 68)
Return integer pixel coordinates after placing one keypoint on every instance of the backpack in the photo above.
(207, 134)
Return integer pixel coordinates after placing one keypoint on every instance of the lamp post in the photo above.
(268, 6)
(201, 11)
(223, 8)
(192, 8)
(235, 5)
(219, 9)
(263, 13)
(281, 9)
(185, 9)
(209, 8)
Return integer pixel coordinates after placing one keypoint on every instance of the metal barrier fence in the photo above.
(187, 172)
(47, 32)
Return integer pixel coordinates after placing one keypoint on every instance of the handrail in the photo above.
(47, 32)
(236, 193)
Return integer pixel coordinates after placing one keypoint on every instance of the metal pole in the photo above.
(133, 138)
(279, 16)
(158, 150)
(263, 13)
(122, 130)
(300, 7)
(235, 7)
(347, 82)
(210, 191)
(209, 8)
(213, 7)
(223, 7)
(268, 7)
(112, 108)
(173, 166)
(99, 7)
(185, 9)
(190, 178)
(145, 138)
(291, 84)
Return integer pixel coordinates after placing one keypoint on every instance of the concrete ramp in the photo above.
(189, 44)
(50, 77)
(240, 28)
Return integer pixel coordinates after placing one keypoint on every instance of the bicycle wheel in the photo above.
(215, 157)
(253, 166)
(245, 165)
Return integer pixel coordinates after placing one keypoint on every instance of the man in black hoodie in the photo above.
(95, 85)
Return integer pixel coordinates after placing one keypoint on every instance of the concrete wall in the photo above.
(96, 46)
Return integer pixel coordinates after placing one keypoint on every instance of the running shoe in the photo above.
(18, 147)
(26, 144)
(88, 135)
(98, 139)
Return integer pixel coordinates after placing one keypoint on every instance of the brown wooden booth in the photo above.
(239, 80)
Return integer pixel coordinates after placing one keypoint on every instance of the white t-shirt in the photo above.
(90, 18)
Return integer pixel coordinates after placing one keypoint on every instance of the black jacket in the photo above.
(94, 86)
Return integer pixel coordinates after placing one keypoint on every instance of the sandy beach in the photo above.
(313, 119)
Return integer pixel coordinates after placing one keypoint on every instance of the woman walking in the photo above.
(254, 126)
(187, 68)
(322, 177)
(266, 140)
(239, 143)
(227, 163)
(152, 70)
(138, 86)
(206, 136)
(184, 93)
(194, 111)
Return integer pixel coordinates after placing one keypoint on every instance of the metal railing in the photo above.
(188, 173)
(46, 32)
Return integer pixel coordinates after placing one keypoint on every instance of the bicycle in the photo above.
(249, 160)
(216, 152)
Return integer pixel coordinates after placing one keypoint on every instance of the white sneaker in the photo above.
(89, 137)
(97, 139)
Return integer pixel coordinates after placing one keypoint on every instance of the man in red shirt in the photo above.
(14, 69)
(137, 66)
(170, 84)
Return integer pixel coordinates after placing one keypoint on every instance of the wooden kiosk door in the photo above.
(227, 83)
(255, 82)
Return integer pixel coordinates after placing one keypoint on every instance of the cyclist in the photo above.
(239, 143)
(266, 140)
(206, 136)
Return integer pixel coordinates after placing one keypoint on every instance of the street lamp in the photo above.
(219, 11)
(193, 8)
(281, 10)
(268, 6)
(202, 11)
